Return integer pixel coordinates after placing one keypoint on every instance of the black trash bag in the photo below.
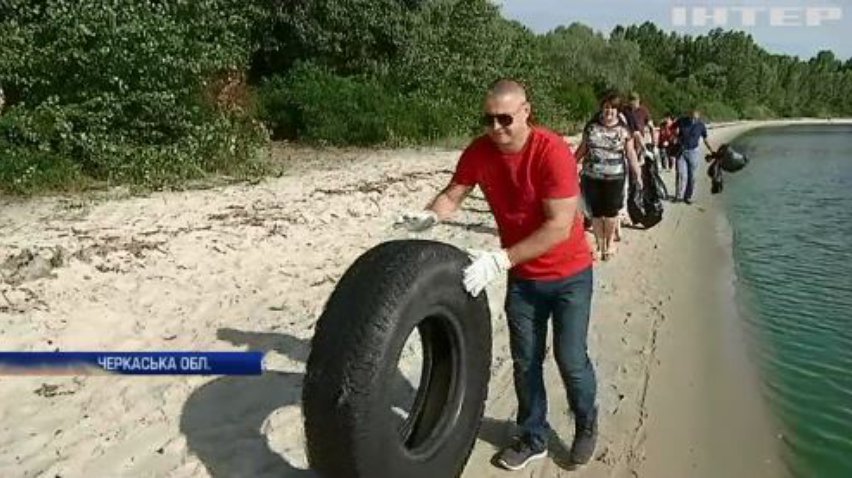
(729, 160)
(645, 205)
(635, 204)
(661, 192)
(716, 182)
(648, 153)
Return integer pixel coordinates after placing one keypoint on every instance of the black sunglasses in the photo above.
(503, 119)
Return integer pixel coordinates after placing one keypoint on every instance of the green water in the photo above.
(791, 213)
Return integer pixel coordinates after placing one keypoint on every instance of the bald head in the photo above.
(508, 88)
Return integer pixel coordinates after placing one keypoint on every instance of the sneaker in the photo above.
(585, 439)
(688, 201)
(518, 455)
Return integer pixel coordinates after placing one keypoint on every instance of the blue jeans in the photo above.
(529, 306)
(687, 169)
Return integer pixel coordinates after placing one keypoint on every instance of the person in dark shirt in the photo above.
(639, 118)
(691, 132)
(639, 122)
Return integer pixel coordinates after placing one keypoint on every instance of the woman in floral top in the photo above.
(605, 153)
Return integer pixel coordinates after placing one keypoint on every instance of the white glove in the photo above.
(484, 269)
(417, 221)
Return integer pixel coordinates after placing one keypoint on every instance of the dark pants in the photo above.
(529, 306)
(666, 160)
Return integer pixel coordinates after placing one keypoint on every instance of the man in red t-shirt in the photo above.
(528, 175)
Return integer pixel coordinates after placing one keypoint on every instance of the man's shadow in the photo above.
(222, 420)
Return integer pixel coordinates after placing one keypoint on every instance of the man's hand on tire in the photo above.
(485, 268)
(416, 221)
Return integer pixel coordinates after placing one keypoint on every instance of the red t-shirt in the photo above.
(668, 133)
(515, 186)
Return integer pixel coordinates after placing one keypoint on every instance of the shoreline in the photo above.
(243, 266)
(739, 436)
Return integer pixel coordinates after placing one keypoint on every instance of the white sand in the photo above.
(250, 267)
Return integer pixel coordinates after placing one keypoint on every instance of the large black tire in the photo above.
(385, 294)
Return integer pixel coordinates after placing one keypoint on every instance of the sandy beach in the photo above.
(249, 267)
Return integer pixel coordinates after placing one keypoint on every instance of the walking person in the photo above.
(607, 154)
(528, 175)
(642, 125)
(691, 131)
(667, 143)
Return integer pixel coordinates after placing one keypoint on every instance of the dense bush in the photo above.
(718, 111)
(114, 90)
(758, 112)
(312, 103)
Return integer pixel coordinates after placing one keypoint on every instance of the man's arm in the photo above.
(655, 136)
(439, 209)
(448, 201)
(639, 139)
(633, 160)
(704, 137)
(559, 219)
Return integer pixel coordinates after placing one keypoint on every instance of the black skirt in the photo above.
(604, 197)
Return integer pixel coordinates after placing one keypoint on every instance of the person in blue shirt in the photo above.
(691, 132)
